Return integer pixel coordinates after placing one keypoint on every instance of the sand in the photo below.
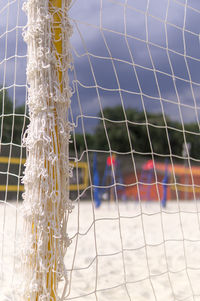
(119, 252)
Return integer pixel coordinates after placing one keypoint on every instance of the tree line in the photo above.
(13, 120)
(140, 133)
(117, 130)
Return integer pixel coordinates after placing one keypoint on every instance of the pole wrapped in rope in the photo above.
(47, 172)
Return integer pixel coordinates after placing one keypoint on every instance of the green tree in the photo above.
(79, 143)
(143, 134)
(192, 136)
(13, 121)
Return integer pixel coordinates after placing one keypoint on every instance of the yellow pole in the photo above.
(47, 249)
(55, 8)
(57, 30)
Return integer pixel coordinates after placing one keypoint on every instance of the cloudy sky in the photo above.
(135, 53)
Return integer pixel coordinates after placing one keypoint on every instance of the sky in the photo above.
(139, 54)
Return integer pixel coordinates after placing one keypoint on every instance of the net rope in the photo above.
(117, 56)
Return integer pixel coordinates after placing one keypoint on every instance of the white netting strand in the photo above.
(134, 231)
(46, 198)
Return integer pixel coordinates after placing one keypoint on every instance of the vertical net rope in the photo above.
(46, 178)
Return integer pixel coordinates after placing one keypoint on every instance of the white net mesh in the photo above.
(134, 120)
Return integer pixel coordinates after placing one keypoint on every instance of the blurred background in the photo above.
(135, 83)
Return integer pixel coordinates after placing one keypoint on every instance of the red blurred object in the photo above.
(111, 161)
(148, 165)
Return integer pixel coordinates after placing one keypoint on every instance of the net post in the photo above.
(57, 41)
(46, 178)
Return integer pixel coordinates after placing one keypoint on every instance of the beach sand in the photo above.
(125, 251)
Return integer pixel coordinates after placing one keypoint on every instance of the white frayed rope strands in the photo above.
(47, 172)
